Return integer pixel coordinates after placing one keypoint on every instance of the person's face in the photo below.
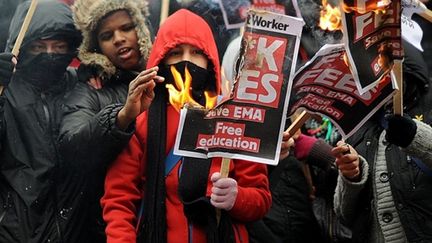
(118, 40)
(48, 46)
(186, 52)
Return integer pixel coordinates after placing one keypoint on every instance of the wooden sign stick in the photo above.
(23, 30)
(164, 11)
(398, 96)
(224, 171)
(298, 122)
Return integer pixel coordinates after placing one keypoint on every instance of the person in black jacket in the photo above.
(114, 89)
(390, 201)
(40, 194)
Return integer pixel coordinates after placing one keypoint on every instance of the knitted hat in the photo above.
(87, 15)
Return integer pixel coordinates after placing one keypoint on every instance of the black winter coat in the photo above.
(411, 188)
(290, 219)
(90, 138)
(40, 196)
(40, 200)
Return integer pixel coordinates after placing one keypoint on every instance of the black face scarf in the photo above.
(202, 79)
(45, 69)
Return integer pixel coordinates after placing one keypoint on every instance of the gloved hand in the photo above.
(303, 146)
(7, 66)
(401, 130)
(90, 74)
(224, 192)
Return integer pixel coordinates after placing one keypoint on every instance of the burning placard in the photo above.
(326, 86)
(372, 37)
(248, 125)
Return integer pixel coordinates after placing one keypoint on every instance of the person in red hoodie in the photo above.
(146, 199)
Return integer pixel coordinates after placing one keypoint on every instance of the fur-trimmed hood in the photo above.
(87, 15)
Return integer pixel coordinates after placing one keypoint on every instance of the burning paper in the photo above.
(372, 37)
(249, 125)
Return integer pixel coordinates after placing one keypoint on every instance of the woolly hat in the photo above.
(87, 15)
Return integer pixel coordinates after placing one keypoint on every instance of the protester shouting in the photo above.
(179, 206)
(40, 193)
(100, 112)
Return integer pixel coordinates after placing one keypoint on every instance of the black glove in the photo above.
(401, 130)
(6, 68)
(86, 72)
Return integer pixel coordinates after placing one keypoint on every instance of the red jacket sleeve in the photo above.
(254, 197)
(122, 194)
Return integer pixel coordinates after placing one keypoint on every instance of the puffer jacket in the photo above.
(89, 135)
(41, 196)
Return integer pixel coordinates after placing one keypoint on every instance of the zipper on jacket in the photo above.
(57, 157)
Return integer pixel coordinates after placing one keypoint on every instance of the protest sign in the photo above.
(234, 12)
(411, 30)
(248, 125)
(372, 37)
(326, 86)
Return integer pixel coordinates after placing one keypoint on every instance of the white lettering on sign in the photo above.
(248, 113)
(369, 22)
(230, 130)
(267, 52)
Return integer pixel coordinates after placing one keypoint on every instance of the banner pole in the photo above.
(398, 96)
(224, 170)
(298, 122)
(164, 11)
(23, 30)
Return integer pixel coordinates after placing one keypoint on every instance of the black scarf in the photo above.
(154, 219)
(192, 185)
(44, 70)
(202, 79)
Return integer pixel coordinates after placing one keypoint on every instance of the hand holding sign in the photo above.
(7, 66)
(23, 30)
(224, 191)
(347, 160)
(250, 124)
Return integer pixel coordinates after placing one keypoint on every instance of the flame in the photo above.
(345, 59)
(181, 96)
(226, 83)
(330, 17)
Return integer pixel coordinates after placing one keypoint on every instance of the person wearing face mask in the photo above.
(40, 193)
(152, 196)
(114, 88)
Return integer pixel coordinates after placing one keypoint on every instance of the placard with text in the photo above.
(234, 12)
(249, 124)
(326, 86)
(372, 37)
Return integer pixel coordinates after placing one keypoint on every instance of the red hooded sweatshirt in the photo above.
(122, 184)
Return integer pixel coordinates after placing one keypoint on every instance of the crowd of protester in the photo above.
(86, 152)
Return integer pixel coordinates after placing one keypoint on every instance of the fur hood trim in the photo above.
(88, 13)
